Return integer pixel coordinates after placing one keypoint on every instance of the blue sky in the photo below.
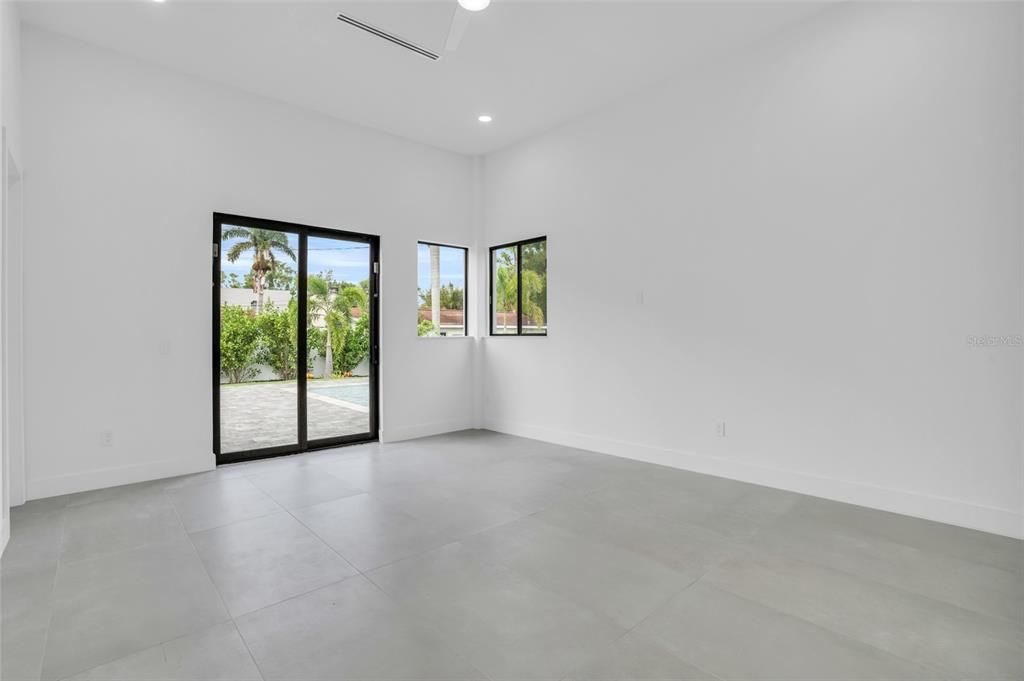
(453, 266)
(348, 260)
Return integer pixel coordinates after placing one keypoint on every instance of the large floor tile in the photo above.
(497, 557)
(369, 533)
(258, 562)
(221, 502)
(214, 654)
(960, 642)
(119, 604)
(21, 655)
(955, 542)
(524, 484)
(636, 658)
(109, 493)
(28, 573)
(735, 638)
(301, 487)
(218, 473)
(732, 509)
(26, 597)
(451, 512)
(47, 505)
(369, 470)
(35, 542)
(120, 523)
(507, 626)
(969, 584)
(687, 549)
(620, 584)
(350, 630)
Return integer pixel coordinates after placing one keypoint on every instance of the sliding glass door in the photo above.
(338, 338)
(295, 345)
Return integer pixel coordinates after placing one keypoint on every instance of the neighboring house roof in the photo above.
(448, 317)
(457, 317)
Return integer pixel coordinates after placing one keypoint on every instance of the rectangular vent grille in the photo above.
(390, 38)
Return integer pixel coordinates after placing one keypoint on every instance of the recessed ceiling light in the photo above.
(484, 118)
(474, 5)
(158, 0)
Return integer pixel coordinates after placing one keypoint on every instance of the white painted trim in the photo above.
(424, 430)
(5, 534)
(941, 509)
(111, 477)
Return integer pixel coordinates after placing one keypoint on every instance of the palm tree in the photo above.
(333, 303)
(321, 299)
(266, 246)
(505, 293)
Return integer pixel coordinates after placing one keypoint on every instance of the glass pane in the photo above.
(504, 295)
(258, 355)
(535, 287)
(441, 286)
(338, 338)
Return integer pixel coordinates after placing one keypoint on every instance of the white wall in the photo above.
(802, 238)
(12, 469)
(125, 164)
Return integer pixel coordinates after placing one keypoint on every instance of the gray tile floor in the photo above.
(483, 556)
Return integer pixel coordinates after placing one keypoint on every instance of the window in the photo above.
(441, 287)
(519, 288)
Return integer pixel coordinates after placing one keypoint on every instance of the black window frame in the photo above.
(518, 245)
(465, 285)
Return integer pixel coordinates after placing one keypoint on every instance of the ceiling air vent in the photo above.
(387, 36)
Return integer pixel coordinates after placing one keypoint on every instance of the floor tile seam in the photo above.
(53, 598)
(233, 617)
(255, 663)
(403, 608)
(852, 533)
(249, 613)
(451, 538)
(939, 673)
(326, 543)
(206, 571)
(897, 587)
(292, 507)
(195, 485)
(117, 552)
(993, 619)
(519, 575)
(279, 509)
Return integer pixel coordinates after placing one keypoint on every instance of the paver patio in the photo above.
(256, 415)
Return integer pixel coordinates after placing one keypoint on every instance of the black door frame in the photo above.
(303, 232)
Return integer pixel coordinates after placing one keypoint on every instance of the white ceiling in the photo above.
(530, 64)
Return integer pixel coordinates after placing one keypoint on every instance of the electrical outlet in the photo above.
(720, 429)
(107, 438)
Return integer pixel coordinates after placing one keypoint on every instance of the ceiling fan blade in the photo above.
(460, 21)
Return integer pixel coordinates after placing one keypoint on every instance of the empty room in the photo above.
(511, 340)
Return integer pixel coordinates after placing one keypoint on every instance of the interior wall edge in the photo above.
(1005, 522)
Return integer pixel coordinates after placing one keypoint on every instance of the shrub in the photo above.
(356, 346)
(277, 339)
(239, 342)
